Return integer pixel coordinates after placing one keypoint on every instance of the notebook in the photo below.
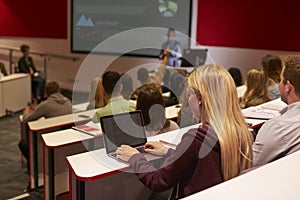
(125, 128)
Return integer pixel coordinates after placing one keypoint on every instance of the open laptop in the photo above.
(125, 128)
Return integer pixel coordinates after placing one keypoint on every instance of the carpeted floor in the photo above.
(13, 178)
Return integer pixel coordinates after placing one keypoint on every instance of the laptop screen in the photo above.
(125, 128)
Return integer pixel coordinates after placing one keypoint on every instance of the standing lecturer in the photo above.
(173, 47)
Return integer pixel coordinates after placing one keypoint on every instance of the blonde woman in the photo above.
(218, 150)
(257, 89)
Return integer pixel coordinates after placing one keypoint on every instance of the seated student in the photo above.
(236, 75)
(238, 80)
(257, 89)
(143, 75)
(151, 102)
(96, 95)
(218, 150)
(177, 85)
(280, 135)
(272, 66)
(112, 95)
(26, 65)
(127, 83)
(2, 69)
(55, 105)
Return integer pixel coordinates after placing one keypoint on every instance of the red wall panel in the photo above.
(32, 18)
(268, 24)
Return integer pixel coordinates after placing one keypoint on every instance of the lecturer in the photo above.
(173, 47)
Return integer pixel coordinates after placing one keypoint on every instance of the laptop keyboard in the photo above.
(140, 149)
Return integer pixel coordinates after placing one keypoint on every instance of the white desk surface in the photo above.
(97, 164)
(60, 120)
(277, 180)
(64, 137)
(80, 107)
(266, 110)
(13, 77)
(172, 111)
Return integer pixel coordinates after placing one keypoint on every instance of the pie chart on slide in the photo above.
(167, 8)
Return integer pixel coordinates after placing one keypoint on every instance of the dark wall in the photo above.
(32, 18)
(268, 24)
(257, 24)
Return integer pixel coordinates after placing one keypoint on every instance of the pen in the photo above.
(168, 143)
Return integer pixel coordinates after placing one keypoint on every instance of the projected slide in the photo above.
(94, 21)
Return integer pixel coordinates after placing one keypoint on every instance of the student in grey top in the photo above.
(281, 135)
(55, 105)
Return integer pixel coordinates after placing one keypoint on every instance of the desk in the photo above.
(277, 180)
(107, 178)
(57, 146)
(36, 128)
(80, 107)
(12, 87)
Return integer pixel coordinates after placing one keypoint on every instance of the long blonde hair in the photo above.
(221, 111)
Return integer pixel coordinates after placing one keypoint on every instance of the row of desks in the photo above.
(60, 144)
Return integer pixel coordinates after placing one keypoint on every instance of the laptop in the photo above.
(125, 128)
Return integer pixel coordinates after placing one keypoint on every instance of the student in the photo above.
(238, 80)
(26, 65)
(96, 95)
(143, 75)
(177, 85)
(151, 102)
(112, 95)
(272, 66)
(127, 83)
(55, 105)
(236, 75)
(280, 136)
(257, 89)
(218, 150)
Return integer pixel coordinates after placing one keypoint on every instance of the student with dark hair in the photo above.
(218, 150)
(112, 93)
(151, 102)
(177, 84)
(26, 65)
(280, 135)
(143, 75)
(127, 83)
(272, 66)
(236, 75)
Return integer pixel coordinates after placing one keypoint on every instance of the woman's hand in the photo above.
(124, 152)
(156, 148)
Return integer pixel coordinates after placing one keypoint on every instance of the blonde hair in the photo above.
(257, 88)
(221, 111)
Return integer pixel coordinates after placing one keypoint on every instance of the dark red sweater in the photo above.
(194, 166)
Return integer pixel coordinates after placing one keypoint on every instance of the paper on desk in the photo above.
(260, 113)
(274, 105)
(90, 128)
